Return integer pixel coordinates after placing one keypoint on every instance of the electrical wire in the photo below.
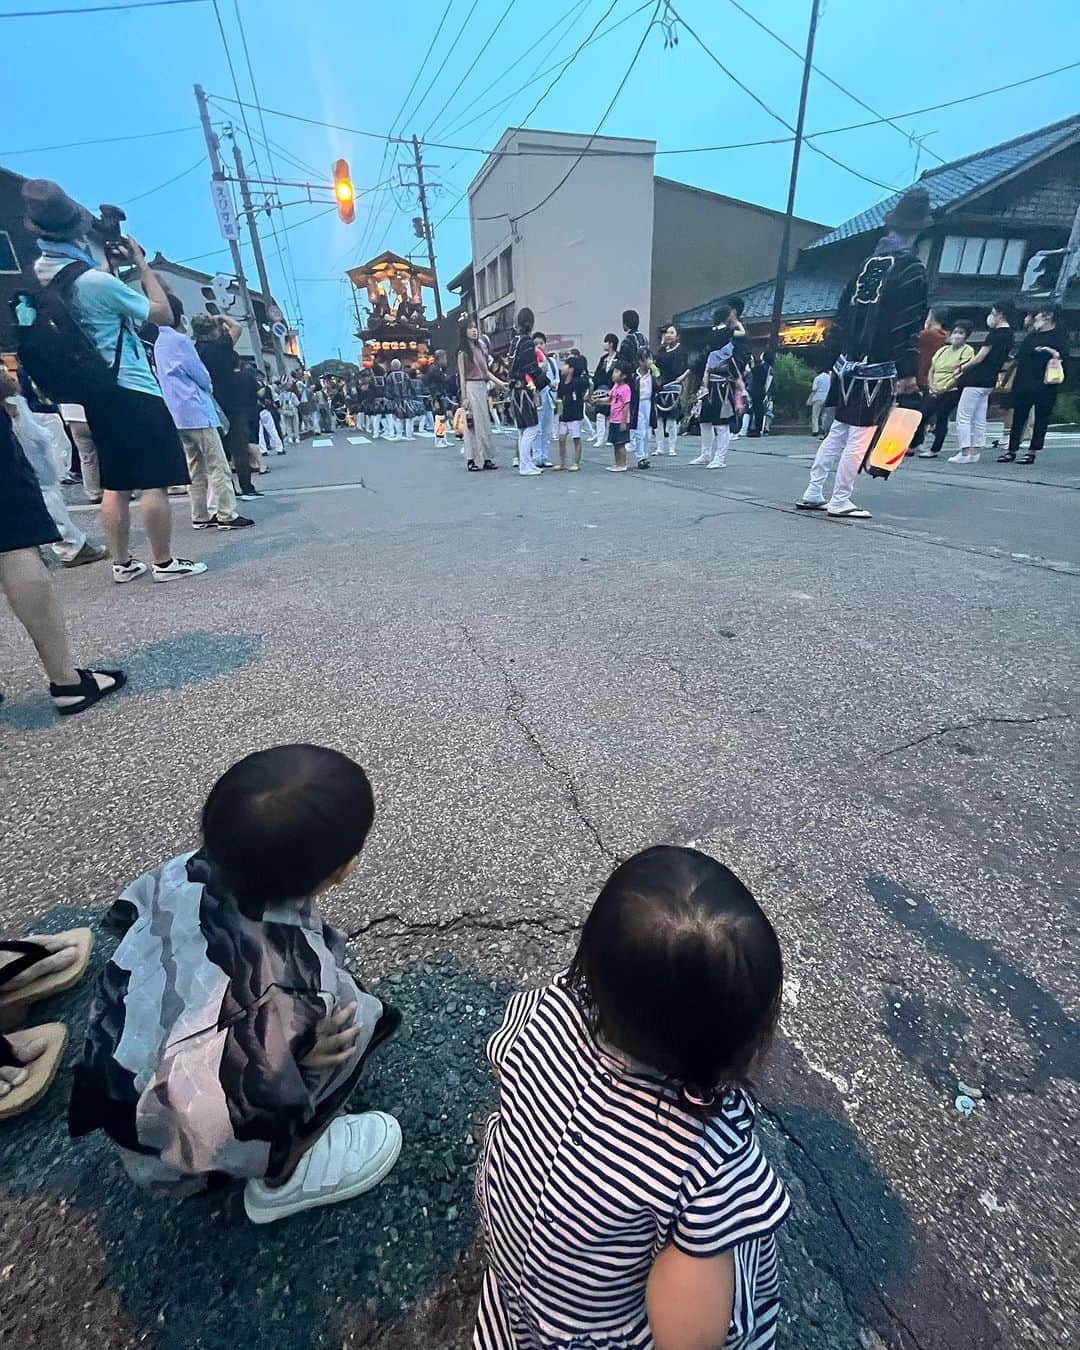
(288, 270)
(888, 187)
(441, 65)
(94, 9)
(286, 229)
(470, 67)
(829, 79)
(103, 140)
(510, 67)
(604, 117)
(130, 201)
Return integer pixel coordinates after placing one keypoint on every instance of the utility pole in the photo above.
(785, 247)
(428, 234)
(213, 149)
(256, 248)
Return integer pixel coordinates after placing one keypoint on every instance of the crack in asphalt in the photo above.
(515, 712)
(468, 919)
(782, 1126)
(681, 676)
(987, 720)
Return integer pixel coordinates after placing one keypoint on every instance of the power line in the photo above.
(93, 9)
(287, 266)
(471, 66)
(565, 67)
(130, 201)
(829, 79)
(441, 65)
(510, 67)
(888, 187)
(381, 195)
(103, 140)
(607, 111)
(286, 229)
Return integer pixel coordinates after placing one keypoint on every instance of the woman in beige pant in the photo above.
(474, 376)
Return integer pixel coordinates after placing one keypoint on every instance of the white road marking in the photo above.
(322, 441)
(358, 440)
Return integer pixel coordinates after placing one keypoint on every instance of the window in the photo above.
(974, 256)
(481, 290)
(9, 261)
(493, 280)
(506, 271)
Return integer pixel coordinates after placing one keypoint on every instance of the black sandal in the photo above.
(86, 693)
(1007, 457)
(1029, 458)
(472, 466)
(490, 464)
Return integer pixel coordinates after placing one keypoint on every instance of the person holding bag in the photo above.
(1040, 372)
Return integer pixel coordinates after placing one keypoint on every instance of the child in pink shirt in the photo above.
(619, 419)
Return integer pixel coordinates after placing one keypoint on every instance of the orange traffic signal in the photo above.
(344, 192)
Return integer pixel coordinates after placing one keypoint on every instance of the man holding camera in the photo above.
(216, 337)
(137, 443)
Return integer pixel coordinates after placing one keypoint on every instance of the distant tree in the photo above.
(339, 369)
(792, 379)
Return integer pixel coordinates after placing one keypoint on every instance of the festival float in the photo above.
(395, 327)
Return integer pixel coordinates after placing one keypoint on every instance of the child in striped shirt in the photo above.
(624, 1198)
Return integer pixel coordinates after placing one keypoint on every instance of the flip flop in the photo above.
(15, 1002)
(39, 1072)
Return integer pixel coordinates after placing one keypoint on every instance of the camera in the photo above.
(105, 228)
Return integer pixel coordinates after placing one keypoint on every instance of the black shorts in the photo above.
(137, 442)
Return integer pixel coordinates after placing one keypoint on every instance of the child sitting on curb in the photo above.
(226, 1034)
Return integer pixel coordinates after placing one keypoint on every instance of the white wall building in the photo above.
(577, 260)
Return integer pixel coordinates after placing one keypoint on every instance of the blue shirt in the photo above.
(185, 382)
(100, 303)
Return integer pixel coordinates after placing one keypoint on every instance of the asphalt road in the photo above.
(874, 724)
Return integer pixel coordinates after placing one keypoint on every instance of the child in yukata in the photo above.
(226, 1033)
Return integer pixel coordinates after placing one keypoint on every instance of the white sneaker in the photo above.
(615, 468)
(128, 571)
(926, 454)
(701, 459)
(515, 460)
(530, 471)
(964, 458)
(353, 1156)
(716, 463)
(176, 568)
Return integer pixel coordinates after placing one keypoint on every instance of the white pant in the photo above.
(668, 428)
(290, 424)
(971, 419)
(547, 426)
(528, 448)
(715, 441)
(71, 537)
(268, 431)
(601, 428)
(844, 450)
(639, 438)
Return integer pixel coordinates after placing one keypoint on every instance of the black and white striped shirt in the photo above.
(590, 1167)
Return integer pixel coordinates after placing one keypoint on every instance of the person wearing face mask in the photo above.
(943, 393)
(1044, 343)
(977, 383)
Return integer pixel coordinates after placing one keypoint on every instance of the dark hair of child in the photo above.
(630, 320)
(679, 968)
(281, 822)
(611, 341)
(525, 320)
(965, 326)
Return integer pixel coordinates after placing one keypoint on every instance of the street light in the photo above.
(344, 193)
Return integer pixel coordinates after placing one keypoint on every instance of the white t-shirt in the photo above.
(819, 390)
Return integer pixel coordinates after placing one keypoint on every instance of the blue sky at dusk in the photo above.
(88, 76)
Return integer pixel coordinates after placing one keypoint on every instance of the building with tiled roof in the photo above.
(993, 211)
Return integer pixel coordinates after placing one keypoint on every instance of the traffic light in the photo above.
(344, 193)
